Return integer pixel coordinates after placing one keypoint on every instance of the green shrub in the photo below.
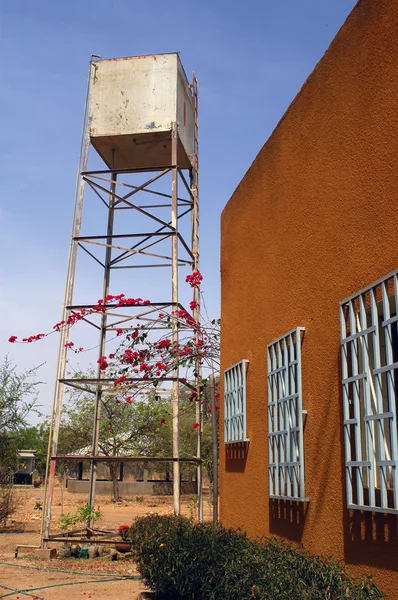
(183, 560)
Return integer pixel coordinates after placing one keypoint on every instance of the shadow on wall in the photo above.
(236, 457)
(371, 539)
(287, 519)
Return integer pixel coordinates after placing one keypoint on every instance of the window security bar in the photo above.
(369, 344)
(235, 403)
(285, 418)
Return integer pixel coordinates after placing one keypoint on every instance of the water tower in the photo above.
(141, 134)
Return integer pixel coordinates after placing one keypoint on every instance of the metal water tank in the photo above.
(133, 103)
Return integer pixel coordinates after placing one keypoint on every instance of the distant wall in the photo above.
(131, 488)
(314, 219)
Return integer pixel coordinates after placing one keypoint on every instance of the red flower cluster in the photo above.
(129, 357)
(119, 380)
(193, 304)
(162, 420)
(69, 345)
(12, 338)
(132, 302)
(195, 425)
(103, 363)
(162, 366)
(129, 400)
(183, 314)
(34, 338)
(109, 297)
(163, 343)
(194, 279)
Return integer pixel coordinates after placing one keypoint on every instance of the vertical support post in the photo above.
(174, 325)
(63, 338)
(105, 292)
(214, 447)
(196, 292)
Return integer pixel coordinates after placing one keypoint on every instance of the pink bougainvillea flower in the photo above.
(119, 380)
(103, 363)
(69, 345)
(194, 279)
(195, 425)
(163, 420)
(193, 304)
(12, 338)
(129, 400)
(34, 338)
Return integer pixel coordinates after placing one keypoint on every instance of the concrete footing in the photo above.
(45, 553)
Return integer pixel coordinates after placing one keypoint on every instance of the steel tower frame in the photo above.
(116, 194)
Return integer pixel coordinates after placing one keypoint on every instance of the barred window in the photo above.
(235, 403)
(369, 343)
(285, 417)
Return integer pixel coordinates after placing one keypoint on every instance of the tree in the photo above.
(18, 395)
(18, 398)
(131, 426)
(126, 427)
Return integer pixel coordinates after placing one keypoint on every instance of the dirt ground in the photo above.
(28, 575)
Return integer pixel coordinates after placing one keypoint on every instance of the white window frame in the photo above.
(235, 403)
(369, 321)
(285, 418)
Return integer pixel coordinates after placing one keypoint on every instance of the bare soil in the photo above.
(29, 575)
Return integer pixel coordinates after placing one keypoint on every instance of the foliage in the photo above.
(135, 428)
(18, 395)
(143, 427)
(18, 398)
(83, 515)
(7, 502)
(184, 560)
(32, 438)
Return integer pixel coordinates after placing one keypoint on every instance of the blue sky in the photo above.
(251, 58)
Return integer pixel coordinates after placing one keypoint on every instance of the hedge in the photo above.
(180, 559)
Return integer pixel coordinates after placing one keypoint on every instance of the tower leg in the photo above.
(174, 294)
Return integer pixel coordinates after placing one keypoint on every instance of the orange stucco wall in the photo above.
(315, 219)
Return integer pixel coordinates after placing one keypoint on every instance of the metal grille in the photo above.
(369, 342)
(285, 417)
(235, 402)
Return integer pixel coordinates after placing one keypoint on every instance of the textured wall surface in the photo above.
(315, 219)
